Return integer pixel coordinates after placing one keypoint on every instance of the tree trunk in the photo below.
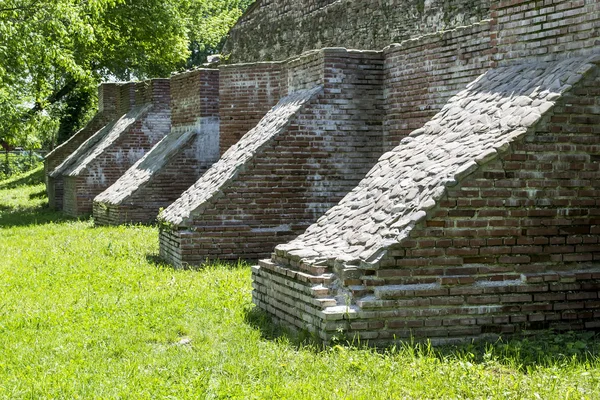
(6, 165)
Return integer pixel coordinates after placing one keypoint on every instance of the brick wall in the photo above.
(126, 99)
(515, 245)
(101, 161)
(108, 94)
(276, 30)
(303, 72)
(114, 100)
(55, 192)
(533, 29)
(175, 163)
(246, 93)
(422, 74)
(293, 179)
(154, 91)
(194, 95)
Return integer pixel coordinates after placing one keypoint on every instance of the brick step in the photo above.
(280, 289)
(562, 276)
(323, 279)
(300, 266)
(359, 290)
(320, 292)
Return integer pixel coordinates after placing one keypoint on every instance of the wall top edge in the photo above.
(430, 37)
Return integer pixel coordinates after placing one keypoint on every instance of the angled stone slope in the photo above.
(114, 100)
(479, 223)
(142, 171)
(299, 161)
(98, 143)
(210, 186)
(105, 156)
(235, 159)
(176, 162)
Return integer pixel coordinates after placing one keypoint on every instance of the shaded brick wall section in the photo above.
(155, 91)
(194, 95)
(304, 72)
(246, 93)
(108, 100)
(72, 186)
(529, 28)
(104, 168)
(276, 30)
(108, 95)
(422, 74)
(328, 146)
(194, 107)
(126, 99)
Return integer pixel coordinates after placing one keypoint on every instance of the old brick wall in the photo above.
(108, 94)
(528, 30)
(176, 162)
(114, 100)
(276, 30)
(194, 95)
(296, 177)
(303, 72)
(423, 73)
(515, 246)
(126, 99)
(98, 165)
(246, 93)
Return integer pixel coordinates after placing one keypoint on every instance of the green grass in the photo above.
(17, 164)
(89, 313)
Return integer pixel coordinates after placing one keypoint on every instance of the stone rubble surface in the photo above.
(474, 127)
(234, 159)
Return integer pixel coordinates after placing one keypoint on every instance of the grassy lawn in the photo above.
(90, 313)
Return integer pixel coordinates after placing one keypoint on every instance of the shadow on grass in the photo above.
(520, 352)
(34, 177)
(272, 330)
(541, 348)
(39, 195)
(157, 260)
(33, 216)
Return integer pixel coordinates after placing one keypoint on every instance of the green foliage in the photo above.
(209, 23)
(88, 313)
(55, 52)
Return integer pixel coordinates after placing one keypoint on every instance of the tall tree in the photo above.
(209, 22)
(54, 52)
